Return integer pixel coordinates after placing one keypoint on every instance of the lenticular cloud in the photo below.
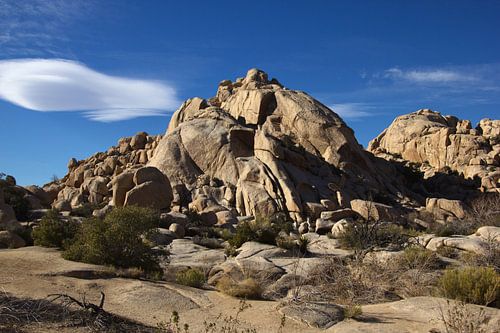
(62, 85)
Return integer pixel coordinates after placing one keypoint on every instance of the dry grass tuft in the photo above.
(248, 288)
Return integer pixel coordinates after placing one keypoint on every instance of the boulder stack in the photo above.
(259, 148)
(440, 144)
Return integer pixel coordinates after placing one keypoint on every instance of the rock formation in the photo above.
(258, 148)
(261, 148)
(111, 178)
(439, 142)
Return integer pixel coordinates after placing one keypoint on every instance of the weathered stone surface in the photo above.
(319, 315)
(339, 228)
(40, 194)
(139, 140)
(149, 174)
(324, 226)
(149, 194)
(166, 219)
(177, 229)
(442, 207)
(339, 214)
(121, 185)
(10, 240)
(373, 210)
(489, 233)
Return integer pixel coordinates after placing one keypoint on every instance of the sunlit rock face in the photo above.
(438, 142)
(261, 148)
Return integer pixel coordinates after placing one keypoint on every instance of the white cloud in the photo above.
(62, 85)
(352, 110)
(429, 76)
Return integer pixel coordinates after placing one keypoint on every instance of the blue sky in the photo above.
(77, 75)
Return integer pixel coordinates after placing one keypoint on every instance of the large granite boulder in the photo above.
(152, 189)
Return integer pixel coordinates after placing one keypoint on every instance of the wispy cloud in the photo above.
(63, 85)
(353, 111)
(429, 76)
(38, 27)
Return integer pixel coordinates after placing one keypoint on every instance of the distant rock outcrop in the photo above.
(439, 142)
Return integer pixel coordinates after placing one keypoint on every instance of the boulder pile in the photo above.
(440, 143)
(258, 148)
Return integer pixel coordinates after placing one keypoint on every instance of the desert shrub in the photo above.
(54, 231)
(478, 285)
(191, 277)
(230, 251)
(460, 318)
(352, 282)
(194, 219)
(86, 209)
(462, 227)
(127, 273)
(485, 210)
(352, 311)
(417, 257)
(489, 258)
(117, 239)
(221, 324)
(262, 230)
(303, 243)
(363, 236)
(448, 252)
(368, 281)
(297, 245)
(248, 288)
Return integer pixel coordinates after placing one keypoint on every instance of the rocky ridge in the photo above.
(259, 148)
(440, 143)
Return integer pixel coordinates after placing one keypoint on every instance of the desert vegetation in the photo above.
(54, 231)
(117, 240)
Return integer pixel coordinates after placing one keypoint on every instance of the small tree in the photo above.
(54, 232)
(117, 240)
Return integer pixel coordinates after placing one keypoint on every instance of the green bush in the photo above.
(86, 209)
(262, 230)
(478, 285)
(365, 235)
(117, 240)
(54, 232)
(191, 277)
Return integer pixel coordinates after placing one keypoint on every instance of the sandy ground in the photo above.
(36, 272)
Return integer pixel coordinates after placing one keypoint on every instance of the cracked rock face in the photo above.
(436, 142)
(267, 149)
